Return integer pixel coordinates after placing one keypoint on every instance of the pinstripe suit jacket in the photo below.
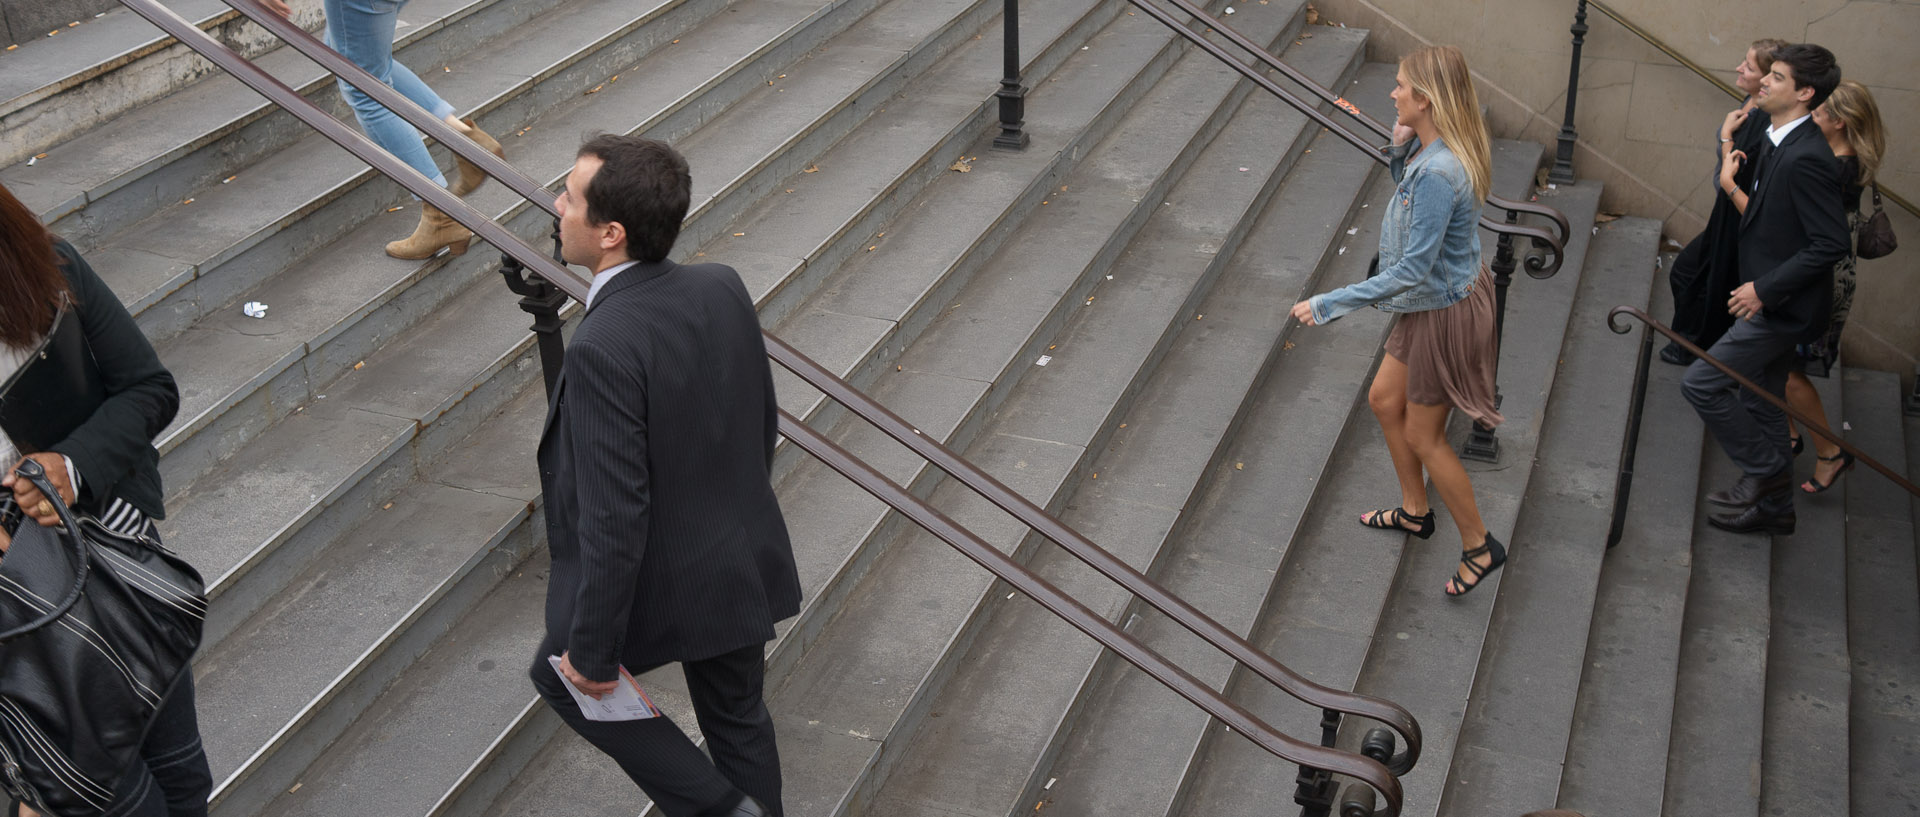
(666, 539)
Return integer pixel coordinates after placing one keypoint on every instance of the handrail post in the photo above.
(543, 301)
(1012, 95)
(1482, 444)
(1315, 790)
(1562, 172)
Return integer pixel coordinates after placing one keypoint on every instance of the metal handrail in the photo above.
(1722, 84)
(1366, 769)
(1623, 485)
(1534, 266)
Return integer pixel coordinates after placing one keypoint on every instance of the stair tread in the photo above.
(1714, 755)
(1624, 713)
(1513, 740)
(1027, 667)
(1882, 600)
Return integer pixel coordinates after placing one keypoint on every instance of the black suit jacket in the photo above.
(1794, 231)
(667, 542)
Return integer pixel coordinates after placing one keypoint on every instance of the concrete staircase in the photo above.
(1099, 321)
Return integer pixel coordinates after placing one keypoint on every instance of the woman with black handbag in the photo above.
(97, 453)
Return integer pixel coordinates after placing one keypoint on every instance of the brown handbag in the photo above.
(1876, 235)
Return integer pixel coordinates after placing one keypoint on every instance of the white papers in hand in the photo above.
(627, 702)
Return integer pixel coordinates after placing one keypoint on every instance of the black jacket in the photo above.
(113, 448)
(1794, 231)
(667, 542)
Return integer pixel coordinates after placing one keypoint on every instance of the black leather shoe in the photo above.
(1672, 353)
(1754, 520)
(1750, 488)
(748, 807)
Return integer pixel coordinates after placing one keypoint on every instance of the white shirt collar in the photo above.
(1779, 132)
(601, 278)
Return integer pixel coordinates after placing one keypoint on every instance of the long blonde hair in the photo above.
(1439, 73)
(1853, 105)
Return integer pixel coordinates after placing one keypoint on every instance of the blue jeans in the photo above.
(362, 31)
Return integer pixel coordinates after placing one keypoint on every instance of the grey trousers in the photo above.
(1752, 431)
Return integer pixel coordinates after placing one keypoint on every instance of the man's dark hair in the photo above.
(645, 186)
(1813, 66)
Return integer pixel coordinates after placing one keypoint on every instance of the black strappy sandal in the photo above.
(1488, 546)
(1798, 444)
(1397, 519)
(1813, 485)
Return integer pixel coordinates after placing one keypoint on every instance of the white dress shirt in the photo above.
(601, 278)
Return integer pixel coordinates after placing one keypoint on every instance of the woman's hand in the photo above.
(1303, 312)
(278, 7)
(1730, 167)
(1401, 133)
(31, 502)
(1735, 118)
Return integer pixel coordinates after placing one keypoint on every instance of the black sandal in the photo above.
(1798, 444)
(1813, 485)
(1397, 519)
(1487, 546)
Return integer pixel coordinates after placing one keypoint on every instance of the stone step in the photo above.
(1513, 740)
(377, 596)
(1624, 712)
(265, 368)
(1883, 602)
(1028, 668)
(64, 81)
(1330, 600)
(349, 748)
(124, 168)
(1804, 757)
(1719, 702)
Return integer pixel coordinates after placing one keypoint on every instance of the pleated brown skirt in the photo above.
(1451, 354)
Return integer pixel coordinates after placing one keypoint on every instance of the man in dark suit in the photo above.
(1791, 233)
(666, 540)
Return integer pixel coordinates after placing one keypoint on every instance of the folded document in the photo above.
(627, 701)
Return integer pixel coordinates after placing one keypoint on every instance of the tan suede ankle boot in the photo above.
(471, 177)
(436, 230)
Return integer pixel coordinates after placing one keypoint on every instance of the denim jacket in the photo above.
(1429, 239)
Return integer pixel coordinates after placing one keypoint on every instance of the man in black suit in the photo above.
(666, 540)
(1791, 233)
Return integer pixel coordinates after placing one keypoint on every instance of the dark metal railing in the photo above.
(1563, 159)
(544, 284)
(1623, 484)
(1482, 443)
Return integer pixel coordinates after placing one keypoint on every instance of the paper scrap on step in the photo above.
(254, 309)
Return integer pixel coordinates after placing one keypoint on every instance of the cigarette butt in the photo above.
(387, 507)
(12, 47)
(296, 787)
(53, 32)
(228, 179)
(447, 68)
(39, 155)
(358, 366)
(188, 201)
(737, 235)
(899, 369)
(395, 209)
(73, 24)
(676, 42)
(596, 89)
(872, 247)
(614, 78)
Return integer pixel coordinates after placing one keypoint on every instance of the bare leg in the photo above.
(1388, 398)
(1427, 436)
(1805, 399)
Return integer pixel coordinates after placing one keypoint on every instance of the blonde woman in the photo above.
(1850, 121)
(1441, 354)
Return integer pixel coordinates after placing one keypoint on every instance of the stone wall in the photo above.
(23, 20)
(1646, 123)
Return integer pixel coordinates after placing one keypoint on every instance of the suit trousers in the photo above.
(728, 703)
(1751, 430)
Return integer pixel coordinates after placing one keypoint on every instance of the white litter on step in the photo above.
(1229, 9)
(1343, 251)
(1353, 231)
(254, 309)
(1050, 782)
(1044, 360)
(1846, 426)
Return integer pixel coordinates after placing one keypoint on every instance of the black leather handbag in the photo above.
(95, 630)
(1876, 235)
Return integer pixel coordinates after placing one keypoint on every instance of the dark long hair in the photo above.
(31, 284)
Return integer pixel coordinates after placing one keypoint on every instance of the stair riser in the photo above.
(266, 129)
(1106, 662)
(265, 573)
(189, 450)
(280, 764)
(160, 70)
(824, 413)
(491, 776)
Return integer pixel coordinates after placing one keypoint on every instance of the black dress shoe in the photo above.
(1672, 353)
(1754, 520)
(1749, 488)
(748, 807)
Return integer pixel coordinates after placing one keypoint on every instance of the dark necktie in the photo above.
(1759, 160)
